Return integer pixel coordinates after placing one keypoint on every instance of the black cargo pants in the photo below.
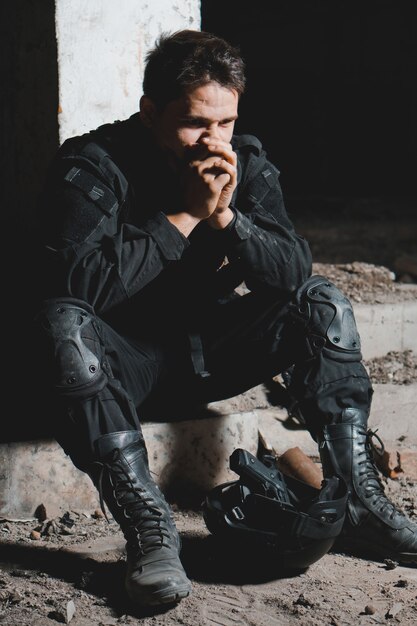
(104, 382)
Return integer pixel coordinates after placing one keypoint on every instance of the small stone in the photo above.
(392, 612)
(35, 535)
(390, 564)
(70, 611)
(63, 613)
(369, 609)
(40, 513)
(67, 520)
(303, 601)
(15, 597)
(98, 514)
(12, 597)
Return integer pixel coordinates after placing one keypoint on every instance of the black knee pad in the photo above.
(77, 349)
(328, 319)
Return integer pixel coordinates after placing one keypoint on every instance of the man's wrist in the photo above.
(220, 221)
(184, 222)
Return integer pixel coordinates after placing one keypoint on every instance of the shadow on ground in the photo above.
(204, 559)
(211, 561)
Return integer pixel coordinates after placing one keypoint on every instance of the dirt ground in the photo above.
(70, 569)
(73, 574)
(366, 283)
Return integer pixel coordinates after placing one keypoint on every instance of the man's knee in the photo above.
(328, 320)
(76, 351)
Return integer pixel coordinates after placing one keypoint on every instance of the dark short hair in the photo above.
(187, 59)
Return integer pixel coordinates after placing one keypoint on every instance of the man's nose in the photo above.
(209, 133)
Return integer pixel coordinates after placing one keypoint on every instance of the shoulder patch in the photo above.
(94, 189)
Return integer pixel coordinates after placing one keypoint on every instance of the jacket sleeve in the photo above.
(91, 253)
(262, 241)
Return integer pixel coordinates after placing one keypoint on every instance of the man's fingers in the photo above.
(213, 162)
(202, 164)
(223, 179)
(225, 151)
(209, 141)
(221, 166)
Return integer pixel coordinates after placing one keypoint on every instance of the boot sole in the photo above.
(364, 550)
(168, 596)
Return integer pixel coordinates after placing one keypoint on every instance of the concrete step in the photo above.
(393, 415)
(188, 455)
(191, 455)
(384, 327)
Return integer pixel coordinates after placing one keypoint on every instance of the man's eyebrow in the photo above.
(206, 120)
(233, 118)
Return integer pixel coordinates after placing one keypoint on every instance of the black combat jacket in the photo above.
(106, 238)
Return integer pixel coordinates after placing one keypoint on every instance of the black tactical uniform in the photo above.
(109, 244)
(135, 312)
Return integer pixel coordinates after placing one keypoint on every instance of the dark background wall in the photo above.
(28, 103)
(332, 89)
(29, 138)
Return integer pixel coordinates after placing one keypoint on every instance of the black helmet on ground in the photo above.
(268, 511)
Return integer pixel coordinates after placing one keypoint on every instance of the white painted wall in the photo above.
(101, 49)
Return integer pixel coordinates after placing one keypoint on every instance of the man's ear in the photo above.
(147, 111)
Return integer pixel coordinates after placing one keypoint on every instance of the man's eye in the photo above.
(193, 123)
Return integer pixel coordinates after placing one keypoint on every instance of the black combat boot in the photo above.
(154, 573)
(373, 525)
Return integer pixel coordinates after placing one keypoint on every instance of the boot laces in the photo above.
(146, 528)
(374, 487)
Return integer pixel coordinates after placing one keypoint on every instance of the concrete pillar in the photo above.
(101, 49)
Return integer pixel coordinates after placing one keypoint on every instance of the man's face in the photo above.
(207, 111)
